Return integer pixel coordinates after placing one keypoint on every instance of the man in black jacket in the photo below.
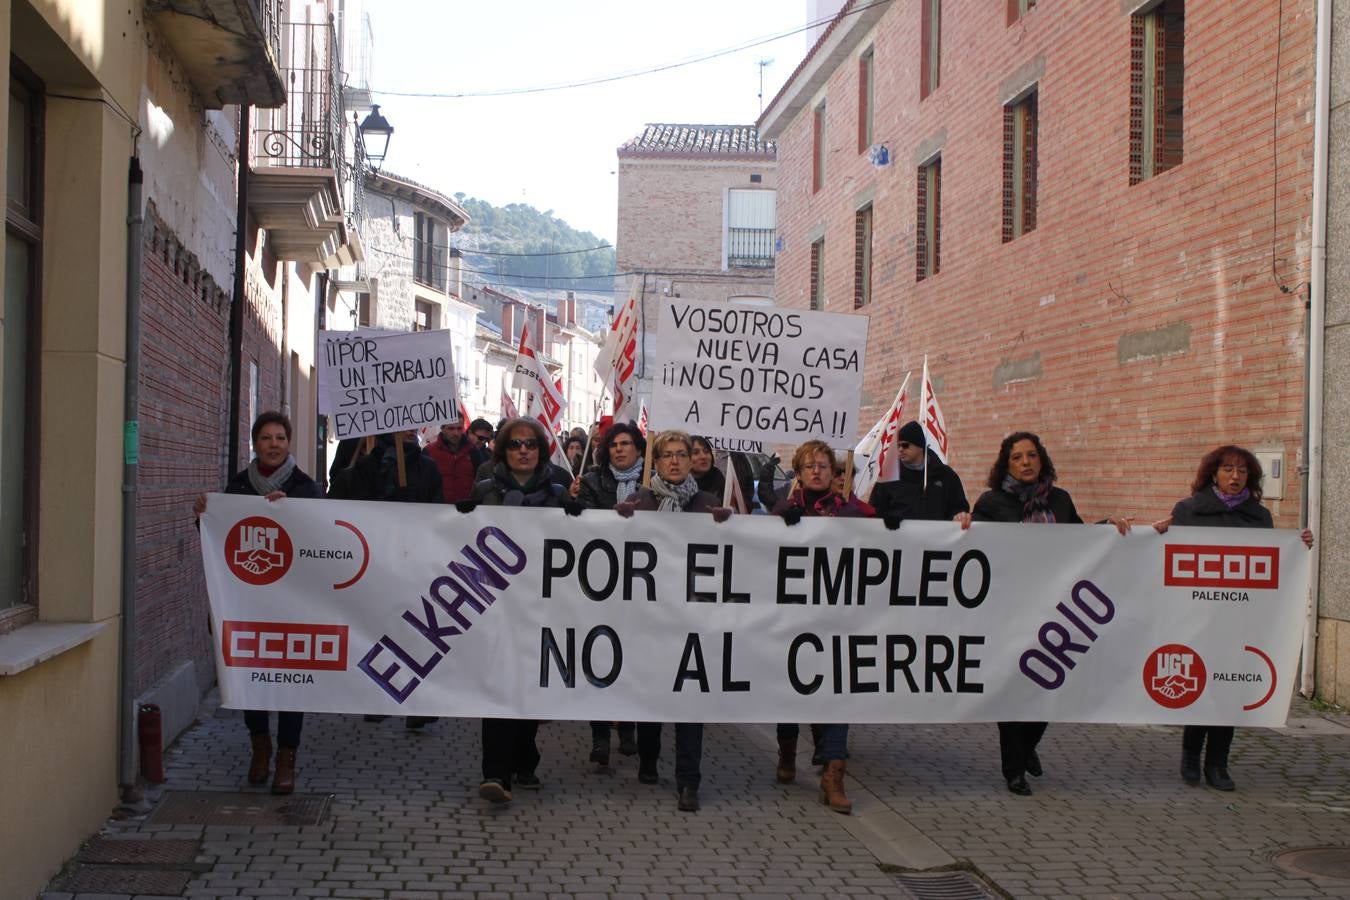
(907, 498)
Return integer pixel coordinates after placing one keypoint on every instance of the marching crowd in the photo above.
(511, 466)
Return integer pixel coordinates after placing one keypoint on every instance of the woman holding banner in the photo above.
(272, 474)
(617, 474)
(520, 477)
(673, 489)
(1022, 489)
(815, 495)
(1226, 493)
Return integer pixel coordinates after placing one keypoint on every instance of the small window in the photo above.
(751, 228)
(424, 316)
(1019, 8)
(1019, 168)
(817, 298)
(866, 100)
(756, 178)
(1157, 76)
(928, 238)
(862, 257)
(930, 48)
(363, 309)
(818, 149)
(430, 251)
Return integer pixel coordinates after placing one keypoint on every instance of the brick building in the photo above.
(696, 220)
(1093, 218)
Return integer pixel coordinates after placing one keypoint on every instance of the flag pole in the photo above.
(923, 387)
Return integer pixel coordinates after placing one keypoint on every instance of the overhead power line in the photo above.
(621, 76)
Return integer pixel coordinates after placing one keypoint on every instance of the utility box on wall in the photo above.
(1271, 457)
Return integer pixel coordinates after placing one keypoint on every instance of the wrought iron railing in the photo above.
(307, 131)
(268, 14)
(750, 247)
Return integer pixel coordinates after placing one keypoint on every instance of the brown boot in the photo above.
(832, 787)
(787, 761)
(283, 782)
(262, 759)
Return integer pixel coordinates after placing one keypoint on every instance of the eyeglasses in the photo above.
(525, 444)
(1242, 470)
(818, 467)
(675, 454)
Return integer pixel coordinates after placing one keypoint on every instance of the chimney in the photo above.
(537, 328)
(508, 322)
(571, 309)
(456, 272)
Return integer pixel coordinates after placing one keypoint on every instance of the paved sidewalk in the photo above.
(1109, 818)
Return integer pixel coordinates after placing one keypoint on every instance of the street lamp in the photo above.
(375, 132)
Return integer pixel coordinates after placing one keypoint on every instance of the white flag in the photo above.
(509, 410)
(876, 457)
(930, 417)
(642, 418)
(545, 401)
(617, 361)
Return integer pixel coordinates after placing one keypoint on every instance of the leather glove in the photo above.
(572, 507)
(792, 515)
(466, 506)
(892, 522)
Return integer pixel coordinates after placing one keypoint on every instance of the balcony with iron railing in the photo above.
(229, 49)
(300, 172)
(750, 248)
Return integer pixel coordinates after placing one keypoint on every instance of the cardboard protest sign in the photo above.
(373, 383)
(760, 374)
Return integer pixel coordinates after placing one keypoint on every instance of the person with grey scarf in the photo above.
(272, 474)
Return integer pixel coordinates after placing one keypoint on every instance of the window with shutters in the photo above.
(751, 228)
(928, 217)
(1157, 76)
(817, 297)
(818, 148)
(1019, 167)
(431, 240)
(930, 47)
(862, 257)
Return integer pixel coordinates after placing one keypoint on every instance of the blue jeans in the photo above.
(688, 750)
(831, 741)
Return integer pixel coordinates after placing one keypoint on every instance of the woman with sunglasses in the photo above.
(521, 476)
(673, 489)
(935, 496)
(1225, 493)
(815, 495)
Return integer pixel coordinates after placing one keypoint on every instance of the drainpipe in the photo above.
(131, 402)
(237, 306)
(1316, 336)
(320, 421)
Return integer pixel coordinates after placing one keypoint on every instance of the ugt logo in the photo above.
(1174, 676)
(258, 550)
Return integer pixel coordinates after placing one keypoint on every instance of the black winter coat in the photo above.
(599, 489)
(375, 476)
(1001, 506)
(703, 501)
(1205, 508)
(503, 490)
(298, 485)
(907, 499)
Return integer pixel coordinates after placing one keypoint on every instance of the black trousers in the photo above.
(1193, 739)
(600, 730)
(288, 726)
(509, 748)
(1016, 741)
(688, 750)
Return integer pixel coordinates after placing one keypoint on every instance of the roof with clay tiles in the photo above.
(664, 139)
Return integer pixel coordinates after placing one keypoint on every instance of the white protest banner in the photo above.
(374, 383)
(339, 606)
(779, 376)
(930, 418)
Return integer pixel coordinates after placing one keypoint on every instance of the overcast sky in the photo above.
(555, 150)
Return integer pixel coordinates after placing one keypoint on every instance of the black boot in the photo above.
(600, 751)
(1217, 778)
(1190, 768)
(628, 739)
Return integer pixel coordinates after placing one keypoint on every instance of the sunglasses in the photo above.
(904, 445)
(525, 444)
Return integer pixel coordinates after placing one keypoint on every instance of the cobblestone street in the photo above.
(1109, 818)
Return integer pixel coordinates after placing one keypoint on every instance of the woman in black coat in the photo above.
(702, 464)
(272, 474)
(521, 476)
(1226, 493)
(1022, 489)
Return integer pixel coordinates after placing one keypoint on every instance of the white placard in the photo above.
(778, 376)
(375, 383)
(339, 606)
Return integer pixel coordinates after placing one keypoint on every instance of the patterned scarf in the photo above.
(1232, 501)
(827, 505)
(266, 484)
(627, 478)
(674, 497)
(1035, 498)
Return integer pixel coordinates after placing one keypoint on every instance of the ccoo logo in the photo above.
(258, 550)
(1200, 565)
(1174, 676)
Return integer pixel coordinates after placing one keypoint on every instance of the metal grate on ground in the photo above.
(136, 851)
(123, 880)
(944, 886)
(1316, 862)
(239, 808)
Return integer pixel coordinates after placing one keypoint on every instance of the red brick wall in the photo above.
(184, 325)
(1037, 333)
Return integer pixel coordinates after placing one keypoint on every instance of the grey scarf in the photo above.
(674, 497)
(266, 484)
(627, 479)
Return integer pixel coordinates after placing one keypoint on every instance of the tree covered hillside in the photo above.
(518, 245)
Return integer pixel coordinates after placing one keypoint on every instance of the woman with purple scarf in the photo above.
(1226, 493)
(1022, 489)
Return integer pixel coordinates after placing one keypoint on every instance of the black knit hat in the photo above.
(912, 433)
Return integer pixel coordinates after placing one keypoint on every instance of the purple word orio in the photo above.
(1048, 665)
(471, 583)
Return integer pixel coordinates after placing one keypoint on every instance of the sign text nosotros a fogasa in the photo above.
(759, 374)
(532, 613)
